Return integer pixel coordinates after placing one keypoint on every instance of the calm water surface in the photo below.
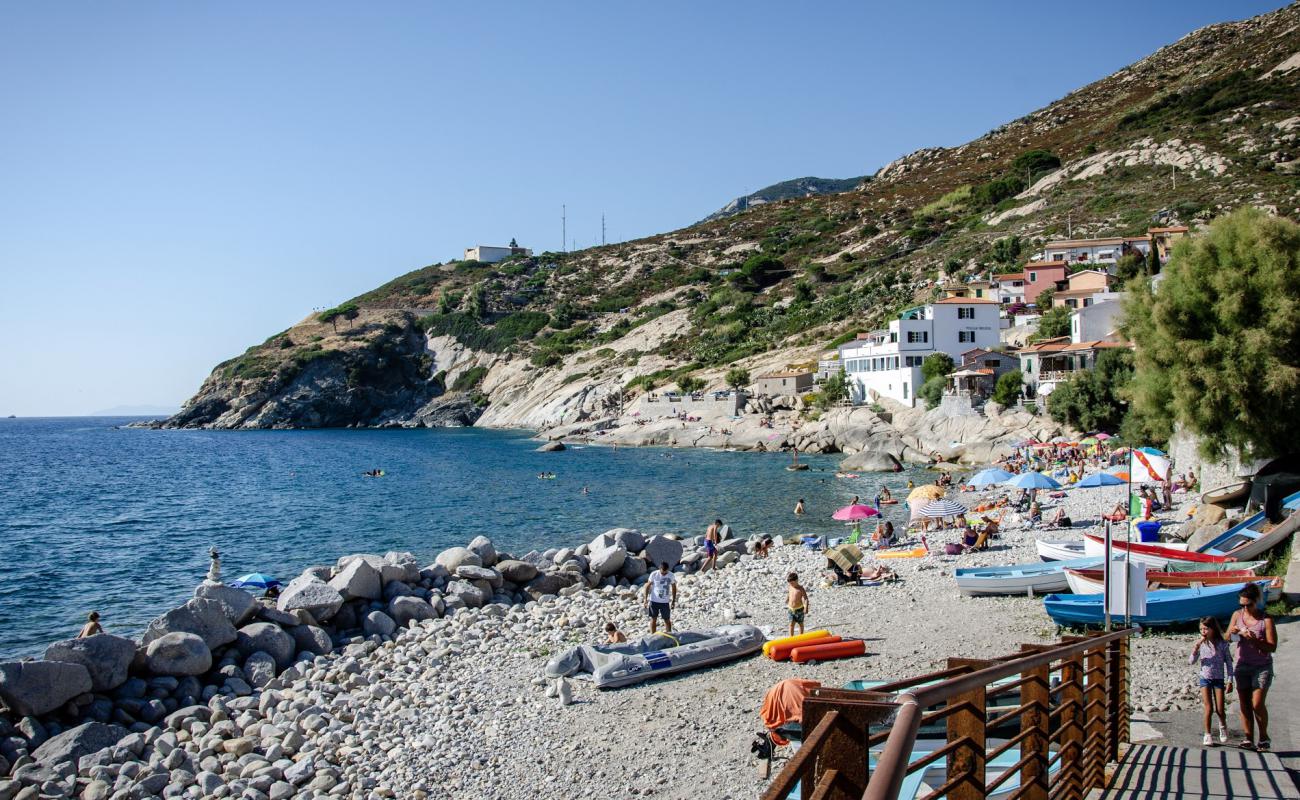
(93, 516)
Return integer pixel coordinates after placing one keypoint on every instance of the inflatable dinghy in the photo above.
(611, 666)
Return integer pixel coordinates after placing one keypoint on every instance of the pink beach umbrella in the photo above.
(855, 513)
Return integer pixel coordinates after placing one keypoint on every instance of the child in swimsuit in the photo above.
(796, 601)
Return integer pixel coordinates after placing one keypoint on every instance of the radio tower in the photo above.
(602, 228)
(564, 229)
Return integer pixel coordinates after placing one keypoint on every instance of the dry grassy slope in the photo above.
(1207, 104)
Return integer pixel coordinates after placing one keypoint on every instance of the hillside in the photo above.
(1198, 127)
(786, 190)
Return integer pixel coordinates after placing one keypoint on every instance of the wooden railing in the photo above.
(1066, 718)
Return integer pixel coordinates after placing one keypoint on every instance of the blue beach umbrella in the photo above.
(254, 580)
(1099, 479)
(1151, 451)
(991, 476)
(1034, 480)
(1118, 468)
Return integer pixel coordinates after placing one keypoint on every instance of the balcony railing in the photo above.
(1056, 376)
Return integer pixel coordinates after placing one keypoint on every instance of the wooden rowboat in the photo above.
(1089, 581)
(1227, 495)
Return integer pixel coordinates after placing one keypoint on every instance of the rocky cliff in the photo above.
(568, 339)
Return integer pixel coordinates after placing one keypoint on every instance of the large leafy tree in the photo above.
(1055, 322)
(1218, 343)
(1095, 399)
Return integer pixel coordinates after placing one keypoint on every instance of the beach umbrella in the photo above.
(1034, 480)
(1104, 436)
(1100, 479)
(927, 492)
(854, 513)
(845, 555)
(989, 477)
(254, 580)
(1151, 451)
(1059, 440)
(1115, 469)
(1091, 440)
(943, 508)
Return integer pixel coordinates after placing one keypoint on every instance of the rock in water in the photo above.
(660, 549)
(178, 654)
(551, 447)
(358, 581)
(453, 557)
(314, 596)
(240, 606)
(200, 616)
(268, 638)
(106, 657)
(870, 461)
(482, 547)
(33, 688)
(80, 741)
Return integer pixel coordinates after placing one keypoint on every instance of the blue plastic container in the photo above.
(1149, 531)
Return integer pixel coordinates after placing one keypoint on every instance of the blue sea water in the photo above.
(98, 516)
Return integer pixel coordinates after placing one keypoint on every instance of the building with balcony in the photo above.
(1077, 289)
(887, 363)
(1008, 288)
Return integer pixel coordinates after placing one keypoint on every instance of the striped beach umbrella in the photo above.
(943, 508)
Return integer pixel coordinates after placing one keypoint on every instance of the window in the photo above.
(904, 390)
(965, 336)
(992, 363)
(895, 362)
(979, 292)
(1029, 365)
(965, 312)
(1033, 277)
(1087, 301)
(917, 336)
(893, 336)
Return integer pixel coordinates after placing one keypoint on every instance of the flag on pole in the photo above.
(1146, 468)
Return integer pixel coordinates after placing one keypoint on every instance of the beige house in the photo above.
(783, 383)
(1076, 290)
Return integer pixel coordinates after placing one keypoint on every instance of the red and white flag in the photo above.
(1146, 468)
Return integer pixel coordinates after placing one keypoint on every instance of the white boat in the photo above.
(1031, 578)
(1081, 583)
(1060, 551)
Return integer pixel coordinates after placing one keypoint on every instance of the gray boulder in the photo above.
(608, 561)
(482, 547)
(409, 564)
(871, 461)
(471, 595)
(240, 606)
(633, 567)
(314, 596)
(377, 623)
(311, 639)
(396, 589)
(550, 583)
(479, 574)
(659, 549)
(562, 555)
(358, 581)
(737, 546)
(200, 616)
(282, 618)
(519, 572)
(178, 653)
(453, 557)
(32, 688)
(601, 542)
(74, 743)
(106, 657)
(551, 447)
(259, 669)
(630, 539)
(268, 638)
(405, 609)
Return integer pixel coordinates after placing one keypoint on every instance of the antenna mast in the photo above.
(564, 228)
(602, 228)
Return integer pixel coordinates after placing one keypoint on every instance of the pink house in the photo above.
(1040, 275)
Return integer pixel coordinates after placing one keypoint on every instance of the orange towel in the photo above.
(784, 703)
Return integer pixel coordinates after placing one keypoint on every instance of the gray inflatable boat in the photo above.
(611, 666)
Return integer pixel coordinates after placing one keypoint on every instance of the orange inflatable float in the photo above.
(803, 637)
(828, 651)
(782, 651)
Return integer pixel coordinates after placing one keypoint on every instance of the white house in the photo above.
(491, 255)
(1099, 320)
(887, 363)
(1008, 287)
(1094, 251)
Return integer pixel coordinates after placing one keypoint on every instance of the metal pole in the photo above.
(1128, 531)
(1105, 578)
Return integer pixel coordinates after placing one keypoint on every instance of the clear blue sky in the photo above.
(181, 180)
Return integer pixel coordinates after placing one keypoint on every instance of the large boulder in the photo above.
(488, 574)
(551, 447)
(519, 572)
(358, 581)
(660, 549)
(633, 568)
(871, 461)
(74, 743)
(311, 639)
(312, 595)
(550, 583)
(482, 547)
(471, 595)
(453, 557)
(630, 539)
(377, 623)
(405, 609)
(178, 653)
(1206, 533)
(32, 688)
(259, 669)
(738, 546)
(106, 657)
(200, 616)
(608, 561)
(268, 638)
(408, 563)
(240, 606)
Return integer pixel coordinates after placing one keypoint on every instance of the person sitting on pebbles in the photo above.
(613, 635)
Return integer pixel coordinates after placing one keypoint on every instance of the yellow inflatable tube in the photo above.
(916, 552)
(803, 637)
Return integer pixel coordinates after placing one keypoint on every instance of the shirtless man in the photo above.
(712, 537)
(798, 508)
(796, 601)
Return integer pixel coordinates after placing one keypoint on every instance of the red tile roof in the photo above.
(965, 301)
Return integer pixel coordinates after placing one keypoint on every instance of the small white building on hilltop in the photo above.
(491, 255)
(887, 363)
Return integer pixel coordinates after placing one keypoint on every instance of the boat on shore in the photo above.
(1157, 555)
(1029, 578)
(1164, 606)
(1255, 535)
(1090, 580)
(1227, 495)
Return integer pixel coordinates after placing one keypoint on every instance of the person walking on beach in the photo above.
(712, 537)
(1254, 670)
(796, 601)
(660, 596)
(1212, 654)
(798, 508)
(92, 626)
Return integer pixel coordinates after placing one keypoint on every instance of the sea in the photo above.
(95, 515)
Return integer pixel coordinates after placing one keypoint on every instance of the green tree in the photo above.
(477, 302)
(689, 384)
(330, 315)
(1097, 398)
(349, 312)
(1153, 260)
(1053, 323)
(447, 302)
(835, 389)
(1045, 297)
(1007, 390)
(1129, 266)
(1006, 250)
(1034, 162)
(1218, 346)
(937, 365)
(803, 293)
(932, 391)
(737, 377)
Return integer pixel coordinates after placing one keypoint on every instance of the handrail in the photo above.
(1084, 726)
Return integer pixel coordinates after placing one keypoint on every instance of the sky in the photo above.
(179, 181)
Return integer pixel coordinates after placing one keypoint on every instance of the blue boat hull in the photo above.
(1164, 606)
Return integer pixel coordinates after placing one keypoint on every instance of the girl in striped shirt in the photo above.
(1211, 653)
